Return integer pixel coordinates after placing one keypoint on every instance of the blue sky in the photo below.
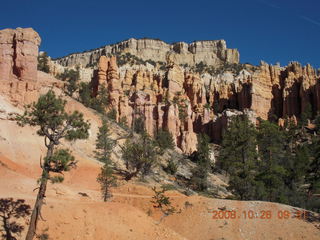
(269, 30)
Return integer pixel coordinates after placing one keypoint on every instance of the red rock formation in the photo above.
(179, 100)
(18, 64)
(186, 103)
(285, 91)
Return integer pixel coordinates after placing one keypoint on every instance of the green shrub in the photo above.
(172, 167)
(72, 77)
(207, 106)
(162, 202)
(168, 187)
(99, 103)
(43, 62)
(112, 114)
(123, 123)
(139, 154)
(164, 140)
(138, 125)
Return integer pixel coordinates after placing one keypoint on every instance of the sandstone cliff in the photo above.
(187, 103)
(19, 78)
(209, 52)
(192, 88)
(18, 62)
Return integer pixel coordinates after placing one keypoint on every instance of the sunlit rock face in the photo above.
(18, 63)
(183, 88)
(187, 103)
(209, 52)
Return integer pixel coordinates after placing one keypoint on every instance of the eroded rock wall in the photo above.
(187, 103)
(20, 81)
(18, 63)
(176, 98)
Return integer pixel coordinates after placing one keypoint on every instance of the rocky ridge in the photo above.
(182, 99)
(208, 52)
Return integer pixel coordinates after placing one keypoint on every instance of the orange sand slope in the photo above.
(130, 214)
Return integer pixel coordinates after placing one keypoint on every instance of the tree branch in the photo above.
(41, 166)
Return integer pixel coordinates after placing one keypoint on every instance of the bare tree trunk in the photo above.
(36, 212)
(37, 207)
(106, 194)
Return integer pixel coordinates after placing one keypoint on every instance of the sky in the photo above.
(269, 30)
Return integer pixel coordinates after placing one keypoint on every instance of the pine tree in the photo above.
(297, 170)
(272, 154)
(73, 78)
(199, 178)
(313, 176)
(238, 156)
(138, 125)
(161, 201)
(139, 155)
(306, 115)
(85, 93)
(99, 102)
(317, 123)
(104, 144)
(54, 124)
(106, 180)
(164, 140)
(43, 62)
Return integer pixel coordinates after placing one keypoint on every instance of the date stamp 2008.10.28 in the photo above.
(263, 214)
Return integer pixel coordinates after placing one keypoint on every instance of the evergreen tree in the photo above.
(164, 140)
(112, 114)
(85, 94)
(199, 178)
(297, 156)
(298, 169)
(313, 176)
(306, 115)
(99, 103)
(43, 62)
(317, 123)
(161, 201)
(272, 153)
(139, 155)
(104, 144)
(138, 125)
(73, 78)
(106, 180)
(238, 156)
(54, 124)
(171, 167)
